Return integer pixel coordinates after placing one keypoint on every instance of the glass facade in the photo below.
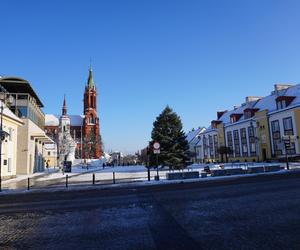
(24, 106)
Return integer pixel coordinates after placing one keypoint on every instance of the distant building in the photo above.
(84, 129)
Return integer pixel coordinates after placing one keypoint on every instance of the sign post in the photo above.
(156, 150)
(287, 140)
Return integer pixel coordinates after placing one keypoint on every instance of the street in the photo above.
(258, 212)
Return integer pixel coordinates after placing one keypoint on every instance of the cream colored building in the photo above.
(11, 125)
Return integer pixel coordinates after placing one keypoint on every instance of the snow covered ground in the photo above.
(82, 174)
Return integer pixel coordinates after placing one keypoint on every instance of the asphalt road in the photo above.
(250, 213)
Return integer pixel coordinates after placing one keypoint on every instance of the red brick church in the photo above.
(84, 129)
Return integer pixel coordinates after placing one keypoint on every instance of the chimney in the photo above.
(278, 87)
(252, 98)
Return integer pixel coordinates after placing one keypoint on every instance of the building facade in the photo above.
(256, 130)
(11, 124)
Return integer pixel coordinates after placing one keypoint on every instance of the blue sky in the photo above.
(196, 56)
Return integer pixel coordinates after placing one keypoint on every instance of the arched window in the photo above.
(92, 120)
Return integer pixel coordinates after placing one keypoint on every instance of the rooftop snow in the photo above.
(53, 120)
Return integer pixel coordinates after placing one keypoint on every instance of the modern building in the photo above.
(84, 129)
(27, 106)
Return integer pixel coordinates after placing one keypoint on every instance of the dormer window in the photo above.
(235, 117)
(249, 112)
(284, 101)
(214, 123)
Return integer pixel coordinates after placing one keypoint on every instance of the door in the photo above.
(264, 154)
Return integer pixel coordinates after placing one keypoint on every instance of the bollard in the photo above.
(66, 181)
(28, 183)
(114, 178)
(93, 178)
(148, 174)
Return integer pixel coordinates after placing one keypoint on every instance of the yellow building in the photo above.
(257, 130)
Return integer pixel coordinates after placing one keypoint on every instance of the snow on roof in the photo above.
(225, 118)
(7, 112)
(193, 133)
(53, 120)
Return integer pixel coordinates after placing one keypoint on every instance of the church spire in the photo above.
(90, 82)
(64, 108)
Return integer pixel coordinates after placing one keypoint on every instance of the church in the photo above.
(77, 136)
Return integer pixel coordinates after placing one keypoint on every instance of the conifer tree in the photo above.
(167, 130)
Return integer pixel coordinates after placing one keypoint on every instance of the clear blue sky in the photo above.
(197, 56)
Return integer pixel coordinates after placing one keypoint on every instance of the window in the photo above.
(216, 145)
(229, 142)
(22, 112)
(48, 153)
(252, 143)
(211, 146)
(9, 165)
(276, 137)
(288, 124)
(22, 97)
(236, 143)
(247, 114)
(244, 142)
(204, 147)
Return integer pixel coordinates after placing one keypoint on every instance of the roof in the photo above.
(193, 133)
(19, 85)
(53, 120)
(90, 82)
(8, 113)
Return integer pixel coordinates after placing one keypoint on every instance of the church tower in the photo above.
(66, 144)
(92, 147)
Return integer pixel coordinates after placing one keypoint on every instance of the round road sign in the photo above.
(156, 145)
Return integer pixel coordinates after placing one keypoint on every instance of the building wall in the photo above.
(9, 148)
(247, 151)
(280, 116)
(263, 134)
(30, 149)
(297, 122)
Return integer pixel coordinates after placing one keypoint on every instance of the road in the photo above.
(259, 212)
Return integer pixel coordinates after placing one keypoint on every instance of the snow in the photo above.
(192, 134)
(53, 120)
(77, 182)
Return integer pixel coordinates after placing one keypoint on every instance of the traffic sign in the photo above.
(156, 151)
(156, 145)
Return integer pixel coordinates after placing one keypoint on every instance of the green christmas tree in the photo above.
(167, 130)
